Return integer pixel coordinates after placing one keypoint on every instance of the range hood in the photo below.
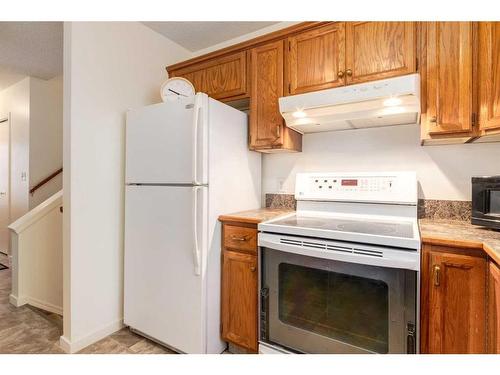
(388, 102)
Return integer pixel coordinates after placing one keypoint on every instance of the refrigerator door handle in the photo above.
(196, 249)
(196, 121)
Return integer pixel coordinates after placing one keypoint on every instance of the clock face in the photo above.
(176, 88)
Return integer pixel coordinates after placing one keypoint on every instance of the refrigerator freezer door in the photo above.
(164, 271)
(167, 143)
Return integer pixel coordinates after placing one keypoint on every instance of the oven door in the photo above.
(315, 305)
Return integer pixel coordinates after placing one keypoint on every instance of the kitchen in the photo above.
(375, 218)
(306, 187)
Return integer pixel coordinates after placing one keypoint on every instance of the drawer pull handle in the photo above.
(437, 271)
(241, 239)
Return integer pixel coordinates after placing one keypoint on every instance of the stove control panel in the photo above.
(394, 187)
(352, 184)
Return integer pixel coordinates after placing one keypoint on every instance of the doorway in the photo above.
(4, 186)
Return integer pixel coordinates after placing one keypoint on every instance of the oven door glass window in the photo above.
(347, 308)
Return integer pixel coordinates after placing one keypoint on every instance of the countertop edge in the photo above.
(239, 219)
(254, 216)
(469, 244)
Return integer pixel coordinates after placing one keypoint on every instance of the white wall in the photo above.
(35, 108)
(16, 101)
(108, 68)
(46, 106)
(444, 172)
(245, 37)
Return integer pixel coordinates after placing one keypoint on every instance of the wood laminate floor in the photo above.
(27, 330)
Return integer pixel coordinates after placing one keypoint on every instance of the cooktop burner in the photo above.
(381, 228)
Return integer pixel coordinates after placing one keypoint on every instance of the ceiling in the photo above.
(195, 36)
(30, 49)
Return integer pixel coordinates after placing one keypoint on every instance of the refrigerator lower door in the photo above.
(167, 143)
(165, 242)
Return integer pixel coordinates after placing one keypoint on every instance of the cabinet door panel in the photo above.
(449, 77)
(489, 75)
(227, 78)
(377, 50)
(494, 309)
(266, 71)
(239, 299)
(197, 78)
(315, 58)
(221, 78)
(455, 286)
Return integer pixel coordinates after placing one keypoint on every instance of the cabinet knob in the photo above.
(252, 269)
(433, 119)
(348, 72)
(340, 74)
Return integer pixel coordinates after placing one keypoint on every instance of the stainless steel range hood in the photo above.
(388, 102)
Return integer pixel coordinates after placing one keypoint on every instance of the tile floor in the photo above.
(30, 330)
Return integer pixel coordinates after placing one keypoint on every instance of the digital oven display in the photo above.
(349, 183)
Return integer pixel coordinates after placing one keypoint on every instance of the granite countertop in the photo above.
(432, 231)
(460, 233)
(255, 216)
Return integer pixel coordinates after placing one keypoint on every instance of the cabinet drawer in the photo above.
(240, 238)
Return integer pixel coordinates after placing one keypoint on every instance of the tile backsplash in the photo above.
(427, 208)
(286, 201)
(442, 209)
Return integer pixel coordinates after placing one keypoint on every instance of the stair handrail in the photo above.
(45, 180)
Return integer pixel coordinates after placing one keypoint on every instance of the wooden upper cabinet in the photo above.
(494, 309)
(315, 59)
(267, 128)
(489, 75)
(453, 302)
(239, 299)
(449, 71)
(221, 78)
(378, 50)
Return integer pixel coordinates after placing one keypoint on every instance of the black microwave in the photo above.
(486, 201)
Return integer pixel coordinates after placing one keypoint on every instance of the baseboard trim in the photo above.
(78, 344)
(21, 301)
(17, 301)
(45, 306)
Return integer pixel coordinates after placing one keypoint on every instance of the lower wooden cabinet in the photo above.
(494, 309)
(239, 286)
(453, 300)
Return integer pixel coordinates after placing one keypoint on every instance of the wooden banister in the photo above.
(45, 180)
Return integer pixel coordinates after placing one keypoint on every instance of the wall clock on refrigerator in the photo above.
(176, 88)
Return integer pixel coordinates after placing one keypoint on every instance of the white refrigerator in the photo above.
(187, 162)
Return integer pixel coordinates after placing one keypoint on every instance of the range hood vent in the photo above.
(388, 102)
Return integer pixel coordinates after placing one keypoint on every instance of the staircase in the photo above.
(36, 248)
